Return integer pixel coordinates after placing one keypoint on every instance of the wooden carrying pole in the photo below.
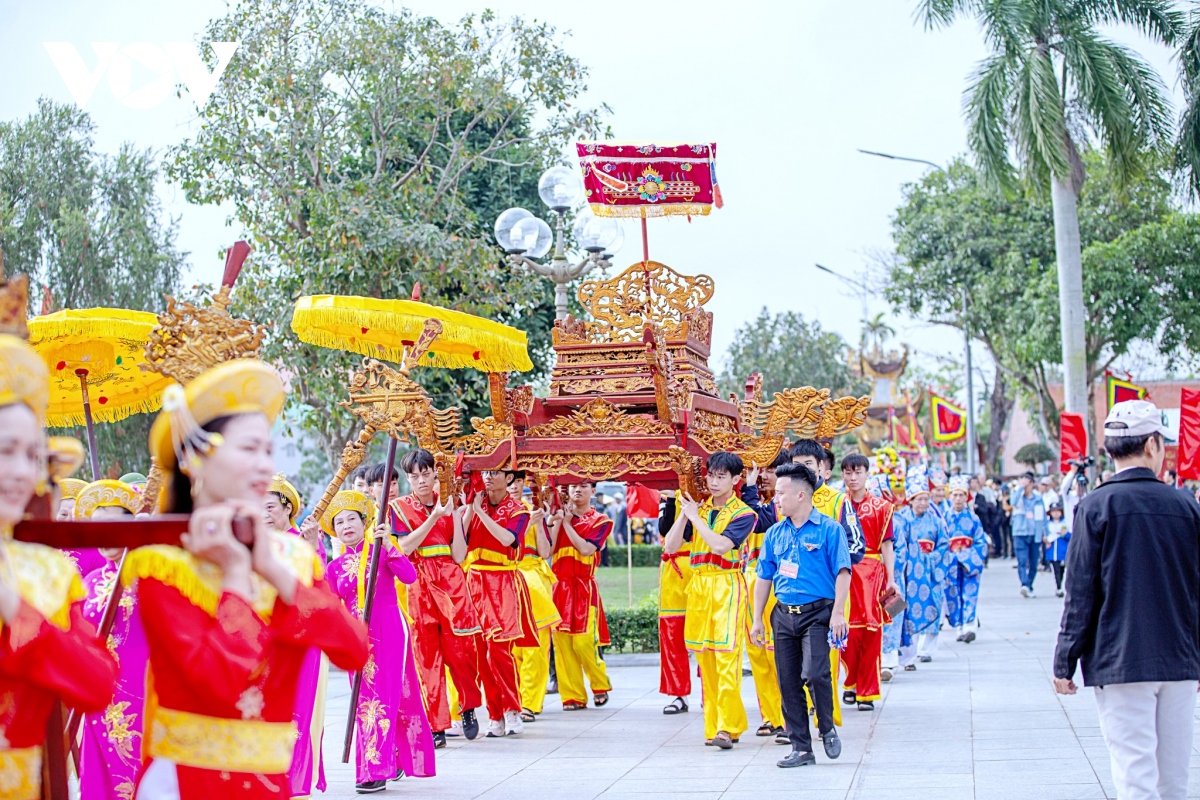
(369, 601)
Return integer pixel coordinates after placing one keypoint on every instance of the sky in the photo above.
(789, 91)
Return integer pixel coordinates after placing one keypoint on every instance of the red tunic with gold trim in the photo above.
(48, 652)
(441, 587)
(501, 600)
(576, 592)
(868, 578)
(223, 671)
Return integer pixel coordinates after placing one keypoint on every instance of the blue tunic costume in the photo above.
(924, 572)
(964, 565)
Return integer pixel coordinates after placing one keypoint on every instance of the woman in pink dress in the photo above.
(111, 755)
(280, 508)
(392, 729)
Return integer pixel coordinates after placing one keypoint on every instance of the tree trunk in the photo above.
(1070, 295)
(1001, 408)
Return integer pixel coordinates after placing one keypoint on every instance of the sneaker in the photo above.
(833, 745)
(439, 740)
(455, 728)
(796, 759)
(470, 723)
(513, 724)
(1024, 591)
(370, 787)
(495, 729)
(1059, 593)
(1032, 593)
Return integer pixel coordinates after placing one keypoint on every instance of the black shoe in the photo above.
(968, 637)
(781, 737)
(848, 697)
(370, 787)
(833, 745)
(470, 723)
(797, 759)
(962, 637)
(924, 659)
(399, 775)
(866, 705)
(439, 740)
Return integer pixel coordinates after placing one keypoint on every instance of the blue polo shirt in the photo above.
(817, 548)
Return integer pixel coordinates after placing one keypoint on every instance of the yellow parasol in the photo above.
(93, 356)
(385, 328)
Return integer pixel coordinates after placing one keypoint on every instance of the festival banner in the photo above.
(905, 435)
(1072, 440)
(635, 179)
(1118, 391)
(642, 502)
(1189, 435)
(949, 422)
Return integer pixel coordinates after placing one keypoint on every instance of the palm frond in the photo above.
(1039, 119)
(1187, 142)
(1156, 19)
(986, 106)
(1099, 93)
(1147, 94)
(941, 13)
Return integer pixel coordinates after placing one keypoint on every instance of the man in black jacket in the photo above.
(1132, 612)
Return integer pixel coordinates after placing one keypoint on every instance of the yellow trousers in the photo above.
(766, 684)
(721, 682)
(533, 670)
(452, 694)
(576, 655)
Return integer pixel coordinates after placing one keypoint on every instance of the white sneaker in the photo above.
(1024, 592)
(513, 723)
(495, 729)
(1032, 593)
(455, 728)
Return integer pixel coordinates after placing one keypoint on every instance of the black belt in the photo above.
(804, 609)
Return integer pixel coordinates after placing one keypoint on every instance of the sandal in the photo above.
(527, 715)
(911, 668)
(722, 740)
(599, 698)
(676, 706)
(766, 729)
(572, 705)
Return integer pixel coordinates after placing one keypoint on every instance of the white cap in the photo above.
(1134, 418)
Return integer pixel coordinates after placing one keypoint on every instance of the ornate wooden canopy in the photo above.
(631, 396)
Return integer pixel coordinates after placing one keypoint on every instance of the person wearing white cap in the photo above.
(1133, 598)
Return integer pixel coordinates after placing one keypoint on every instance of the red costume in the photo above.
(445, 626)
(576, 592)
(223, 672)
(868, 580)
(49, 652)
(502, 602)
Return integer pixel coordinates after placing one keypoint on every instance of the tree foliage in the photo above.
(1140, 262)
(89, 230)
(789, 352)
(1033, 454)
(367, 151)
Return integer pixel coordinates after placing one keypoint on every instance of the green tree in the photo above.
(1051, 82)
(1140, 275)
(878, 331)
(789, 352)
(89, 230)
(367, 151)
(1033, 454)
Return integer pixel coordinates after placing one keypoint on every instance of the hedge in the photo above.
(634, 630)
(644, 555)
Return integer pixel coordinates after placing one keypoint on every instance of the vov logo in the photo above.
(165, 62)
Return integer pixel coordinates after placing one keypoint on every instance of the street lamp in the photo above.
(971, 447)
(524, 237)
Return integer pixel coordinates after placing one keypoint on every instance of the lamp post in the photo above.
(971, 446)
(525, 237)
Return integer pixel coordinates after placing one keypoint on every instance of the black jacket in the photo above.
(1133, 585)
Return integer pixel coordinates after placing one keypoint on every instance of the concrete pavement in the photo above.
(981, 722)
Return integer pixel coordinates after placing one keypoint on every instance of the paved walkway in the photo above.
(979, 723)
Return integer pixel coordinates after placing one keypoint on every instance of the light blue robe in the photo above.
(906, 550)
(924, 573)
(964, 568)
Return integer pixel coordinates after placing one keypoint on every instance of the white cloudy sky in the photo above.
(789, 90)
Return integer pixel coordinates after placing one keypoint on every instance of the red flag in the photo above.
(1189, 435)
(642, 502)
(1073, 441)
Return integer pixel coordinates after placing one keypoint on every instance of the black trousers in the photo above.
(802, 656)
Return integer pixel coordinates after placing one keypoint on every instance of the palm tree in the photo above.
(1051, 85)
(877, 330)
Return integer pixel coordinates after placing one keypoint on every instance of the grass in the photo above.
(614, 585)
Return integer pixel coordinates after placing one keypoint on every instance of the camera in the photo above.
(1086, 462)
